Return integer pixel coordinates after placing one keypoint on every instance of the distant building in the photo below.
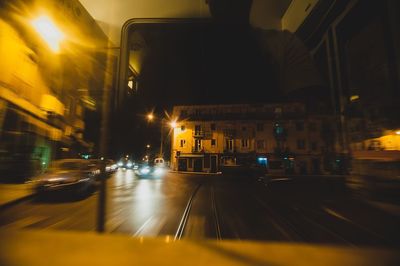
(276, 136)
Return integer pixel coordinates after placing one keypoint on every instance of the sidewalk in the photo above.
(11, 193)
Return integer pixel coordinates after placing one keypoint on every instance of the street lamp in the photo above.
(49, 32)
(172, 124)
(150, 117)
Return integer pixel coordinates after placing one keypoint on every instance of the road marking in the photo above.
(59, 225)
(25, 222)
(335, 214)
(280, 179)
(154, 227)
(113, 223)
(142, 227)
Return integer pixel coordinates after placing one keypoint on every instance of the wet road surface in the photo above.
(309, 210)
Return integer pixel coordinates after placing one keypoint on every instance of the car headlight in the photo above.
(145, 170)
(120, 164)
(129, 165)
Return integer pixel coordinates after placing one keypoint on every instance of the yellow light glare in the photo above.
(354, 98)
(49, 32)
(398, 132)
(173, 124)
(150, 117)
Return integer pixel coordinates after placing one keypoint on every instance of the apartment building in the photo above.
(210, 137)
(45, 86)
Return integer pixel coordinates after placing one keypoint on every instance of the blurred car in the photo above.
(98, 165)
(159, 162)
(149, 170)
(125, 163)
(111, 166)
(144, 169)
(75, 175)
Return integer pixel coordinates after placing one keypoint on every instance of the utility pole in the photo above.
(104, 133)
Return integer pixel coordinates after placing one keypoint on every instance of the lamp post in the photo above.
(172, 124)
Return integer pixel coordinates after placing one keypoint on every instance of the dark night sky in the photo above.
(204, 64)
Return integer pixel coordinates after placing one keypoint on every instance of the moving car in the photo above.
(159, 162)
(149, 170)
(125, 163)
(75, 175)
(111, 166)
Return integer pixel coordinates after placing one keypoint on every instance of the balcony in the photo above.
(197, 150)
(198, 134)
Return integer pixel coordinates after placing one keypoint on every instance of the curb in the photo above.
(196, 173)
(16, 201)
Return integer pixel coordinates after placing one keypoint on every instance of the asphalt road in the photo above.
(241, 206)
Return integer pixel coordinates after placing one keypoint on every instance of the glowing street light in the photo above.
(150, 117)
(173, 124)
(148, 146)
(398, 132)
(49, 32)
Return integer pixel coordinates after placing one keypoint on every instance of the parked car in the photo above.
(72, 175)
(111, 166)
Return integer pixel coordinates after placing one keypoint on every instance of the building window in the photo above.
(312, 126)
(245, 143)
(314, 146)
(260, 127)
(278, 110)
(183, 143)
(301, 144)
(213, 142)
(213, 126)
(244, 128)
(260, 144)
(229, 144)
(183, 128)
(183, 113)
(299, 126)
(197, 145)
(197, 129)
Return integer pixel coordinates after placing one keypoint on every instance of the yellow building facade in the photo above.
(43, 92)
(208, 138)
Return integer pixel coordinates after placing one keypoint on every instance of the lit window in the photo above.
(245, 143)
